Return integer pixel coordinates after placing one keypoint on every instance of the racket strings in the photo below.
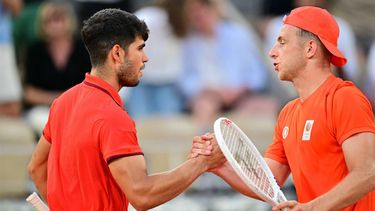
(247, 160)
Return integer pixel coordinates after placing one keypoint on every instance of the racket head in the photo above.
(239, 151)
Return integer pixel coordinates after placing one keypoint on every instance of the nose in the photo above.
(145, 58)
(272, 52)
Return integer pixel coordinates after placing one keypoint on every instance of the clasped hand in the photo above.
(207, 146)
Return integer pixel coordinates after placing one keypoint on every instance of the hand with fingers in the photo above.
(291, 205)
(202, 145)
(207, 146)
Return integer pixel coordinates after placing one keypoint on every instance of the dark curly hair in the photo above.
(109, 27)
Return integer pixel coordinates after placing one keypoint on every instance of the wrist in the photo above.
(200, 163)
(316, 204)
(219, 171)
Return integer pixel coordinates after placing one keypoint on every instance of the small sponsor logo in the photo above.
(285, 132)
(307, 130)
(227, 121)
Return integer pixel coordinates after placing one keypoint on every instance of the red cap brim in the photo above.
(338, 59)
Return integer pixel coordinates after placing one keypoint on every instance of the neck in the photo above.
(310, 81)
(103, 73)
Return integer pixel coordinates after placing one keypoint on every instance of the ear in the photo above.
(311, 48)
(117, 54)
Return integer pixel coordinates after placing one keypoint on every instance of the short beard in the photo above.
(126, 76)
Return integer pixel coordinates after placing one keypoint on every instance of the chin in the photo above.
(136, 84)
(283, 77)
(132, 84)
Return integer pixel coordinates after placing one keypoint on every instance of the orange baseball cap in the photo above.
(321, 23)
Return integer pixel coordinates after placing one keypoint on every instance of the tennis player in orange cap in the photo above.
(326, 137)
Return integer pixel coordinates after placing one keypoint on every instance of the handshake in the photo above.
(206, 149)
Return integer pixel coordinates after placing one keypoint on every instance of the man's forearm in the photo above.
(160, 188)
(351, 189)
(39, 176)
(227, 173)
(38, 166)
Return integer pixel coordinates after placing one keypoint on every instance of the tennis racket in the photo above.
(246, 161)
(37, 202)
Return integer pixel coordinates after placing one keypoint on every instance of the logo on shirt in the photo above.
(307, 130)
(285, 132)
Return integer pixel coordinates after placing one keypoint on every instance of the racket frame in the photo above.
(37, 202)
(278, 194)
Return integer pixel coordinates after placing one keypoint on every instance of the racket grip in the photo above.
(37, 202)
(282, 198)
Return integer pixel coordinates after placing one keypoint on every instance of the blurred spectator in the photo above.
(86, 8)
(249, 10)
(361, 16)
(16, 138)
(55, 63)
(10, 94)
(157, 93)
(346, 42)
(223, 68)
(25, 29)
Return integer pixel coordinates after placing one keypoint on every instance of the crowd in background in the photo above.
(205, 56)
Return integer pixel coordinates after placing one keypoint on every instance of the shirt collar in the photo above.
(102, 85)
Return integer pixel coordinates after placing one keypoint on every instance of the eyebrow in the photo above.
(142, 46)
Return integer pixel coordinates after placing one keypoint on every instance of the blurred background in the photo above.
(208, 58)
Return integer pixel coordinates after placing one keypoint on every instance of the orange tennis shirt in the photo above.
(309, 135)
(87, 129)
